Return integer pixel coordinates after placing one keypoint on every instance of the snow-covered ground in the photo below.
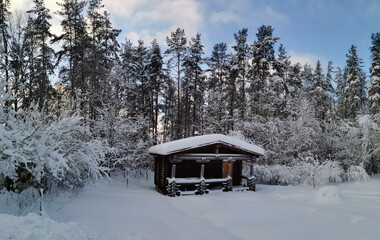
(113, 211)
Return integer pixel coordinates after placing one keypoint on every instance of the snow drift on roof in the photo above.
(200, 141)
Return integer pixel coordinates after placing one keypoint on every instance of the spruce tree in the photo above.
(129, 82)
(263, 56)
(354, 93)
(374, 87)
(140, 73)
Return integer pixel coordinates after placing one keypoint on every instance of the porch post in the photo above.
(229, 170)
(173, 171)
(228, 183)
(202, 186)
(172, 186)
(202, 171)
(251, 179)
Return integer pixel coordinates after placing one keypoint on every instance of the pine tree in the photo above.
(43, 61)
(193, 85)
(18, 62)
(216, 108)
(96, 57)
(177, 49)
(239, 72)
(74, 43)
(374, 87)
(4, 21)
(156, 77)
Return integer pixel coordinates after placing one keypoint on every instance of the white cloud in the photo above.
(25, 5)
(223, 17)
(56, 19)
(274, 15)
(22, 5)
(246, 12)
(139, 16)
(307, 58)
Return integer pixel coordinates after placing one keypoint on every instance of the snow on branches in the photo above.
(39, 150)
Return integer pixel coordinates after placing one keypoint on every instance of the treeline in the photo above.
(132, 96)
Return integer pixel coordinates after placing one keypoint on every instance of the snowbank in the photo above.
(113, 211)
(328, 194)
(32, 226)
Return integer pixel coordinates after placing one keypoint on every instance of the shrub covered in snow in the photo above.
(329, 172)
(357, 174)
(281, 175)
(311, 173)
(38, 151)
(262, 174)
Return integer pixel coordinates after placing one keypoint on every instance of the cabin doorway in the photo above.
(225, 169)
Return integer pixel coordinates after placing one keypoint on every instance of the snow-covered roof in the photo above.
(204, 140)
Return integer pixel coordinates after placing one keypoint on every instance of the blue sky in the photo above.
(309, 29)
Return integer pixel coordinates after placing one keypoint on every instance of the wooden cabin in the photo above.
(196, 164)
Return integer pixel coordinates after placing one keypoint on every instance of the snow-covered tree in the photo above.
(354, 95)
(263, 56)
(156, 78)
(239, 73)
(40, 150)
(370, 142)
(374, 87)
(193, 86)
(216, 97)
(42, 63)
(177, 47)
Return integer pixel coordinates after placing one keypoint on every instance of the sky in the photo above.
(310, 30)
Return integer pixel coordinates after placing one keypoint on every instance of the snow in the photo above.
(204, 140)
(114, 211)
(33, 226)
(328, 194)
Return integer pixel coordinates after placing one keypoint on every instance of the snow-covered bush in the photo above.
(314, 173)
(328, 172)
(370, 138)
(302, 172)
(281, 175)
(262, 174)
(274, 175)
(356, 174)
(39, 150)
